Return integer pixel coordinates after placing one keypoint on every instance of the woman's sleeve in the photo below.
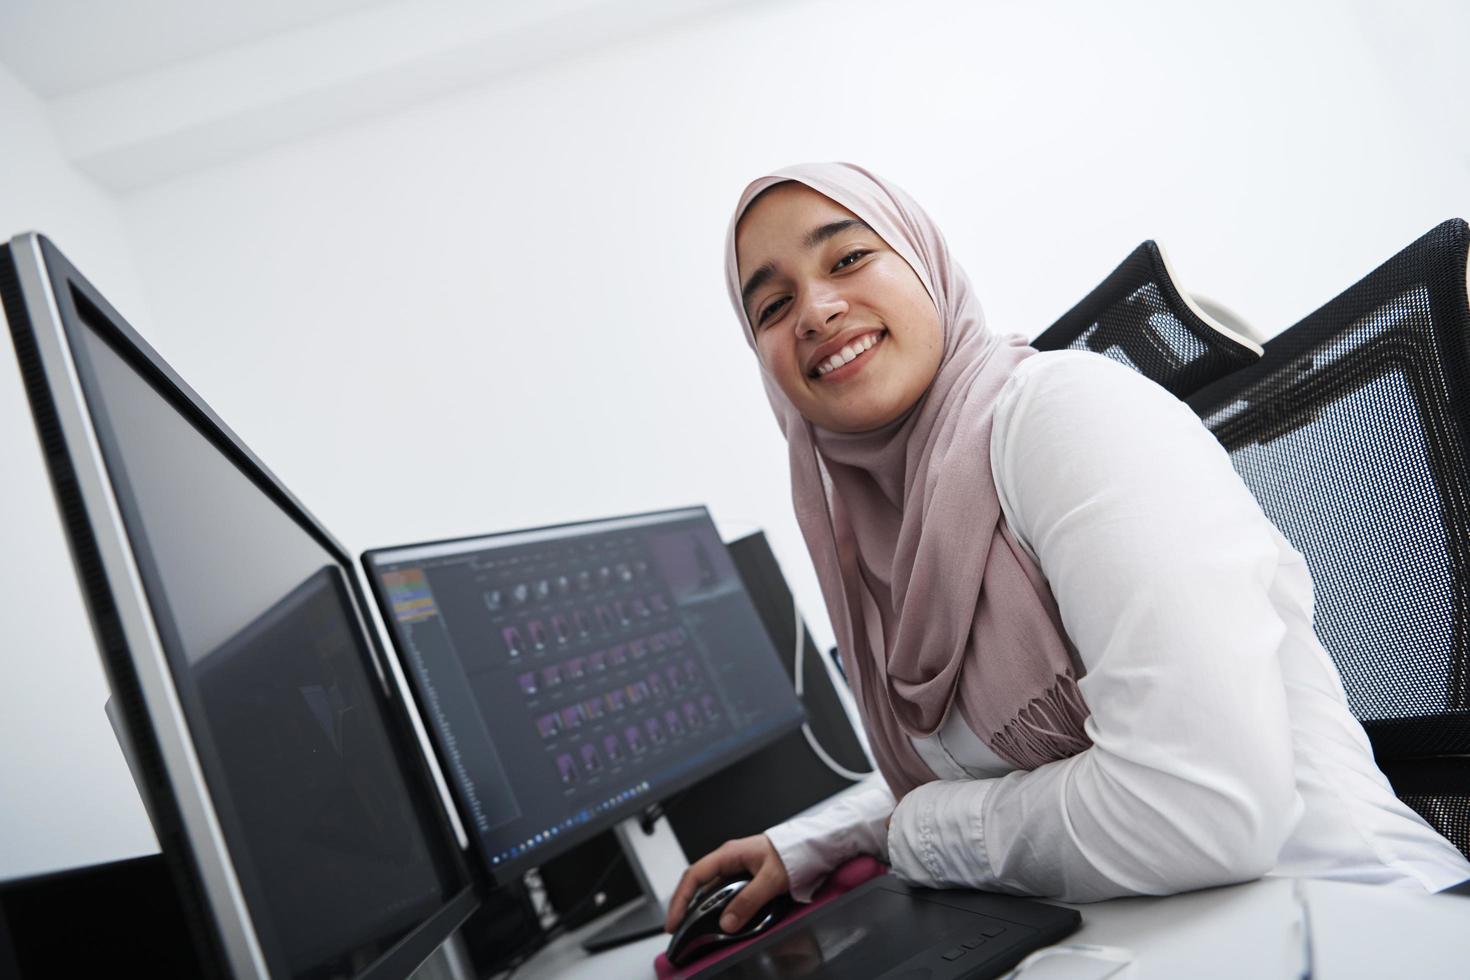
(850, 824)
(1161, 562)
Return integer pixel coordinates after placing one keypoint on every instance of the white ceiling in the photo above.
(60, 47)
(141, 91)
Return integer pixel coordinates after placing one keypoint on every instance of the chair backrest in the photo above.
(1353, 432)
(1139, 316)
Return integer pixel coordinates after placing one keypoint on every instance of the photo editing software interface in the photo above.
(575, 674)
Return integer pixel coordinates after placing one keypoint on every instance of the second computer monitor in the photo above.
(576, 674)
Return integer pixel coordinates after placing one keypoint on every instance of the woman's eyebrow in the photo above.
(815, 237)
(820, 234)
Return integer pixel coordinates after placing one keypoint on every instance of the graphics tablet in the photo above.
(887, 929)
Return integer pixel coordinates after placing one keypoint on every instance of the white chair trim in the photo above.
(1215, 325)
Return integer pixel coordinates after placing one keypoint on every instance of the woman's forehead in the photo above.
(783, 216)
(774, 208)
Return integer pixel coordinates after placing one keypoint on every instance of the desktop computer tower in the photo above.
(126, 918)
(503, 929)
(117, 918)
(575, 879)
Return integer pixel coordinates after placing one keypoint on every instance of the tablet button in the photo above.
(993, 930)
(972, 943)
(955, 953)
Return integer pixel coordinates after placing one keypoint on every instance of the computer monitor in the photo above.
(574, 675)
(272, 744)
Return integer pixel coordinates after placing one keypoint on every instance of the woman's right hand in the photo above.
(753, 855)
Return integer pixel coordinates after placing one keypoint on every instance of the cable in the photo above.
(541, 941)
(649, 816)
(806, 729)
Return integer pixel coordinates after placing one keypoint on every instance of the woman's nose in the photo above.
(821, 311)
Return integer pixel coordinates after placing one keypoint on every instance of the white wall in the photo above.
(506, 307)
(66, 797)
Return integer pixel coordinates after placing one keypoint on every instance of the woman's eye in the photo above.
(850, 258)
(766, 313)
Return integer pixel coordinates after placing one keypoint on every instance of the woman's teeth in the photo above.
(847, 354)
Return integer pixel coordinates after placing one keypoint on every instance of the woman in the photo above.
(1083, 656)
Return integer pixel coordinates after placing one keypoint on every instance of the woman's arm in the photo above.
(851, 824)
(1160, 561)
(793, 856)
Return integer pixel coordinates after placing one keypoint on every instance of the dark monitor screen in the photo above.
(576, 674)
(310, 778)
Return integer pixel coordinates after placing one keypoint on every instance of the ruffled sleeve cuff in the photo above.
(937, 836)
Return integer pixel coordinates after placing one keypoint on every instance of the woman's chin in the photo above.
(865, 418)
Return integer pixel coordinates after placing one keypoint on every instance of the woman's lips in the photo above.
(855, 365)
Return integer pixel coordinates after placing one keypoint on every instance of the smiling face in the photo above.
(841, 321)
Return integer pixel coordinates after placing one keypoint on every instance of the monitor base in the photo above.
(658, 863)
(644, 918)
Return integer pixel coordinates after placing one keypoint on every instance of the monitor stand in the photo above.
(658, 863)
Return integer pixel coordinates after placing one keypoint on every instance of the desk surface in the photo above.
(1250, 930)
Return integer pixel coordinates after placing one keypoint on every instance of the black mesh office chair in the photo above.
(1138, 316)
(1353, 432)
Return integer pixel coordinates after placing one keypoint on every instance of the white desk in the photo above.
(1243, 931)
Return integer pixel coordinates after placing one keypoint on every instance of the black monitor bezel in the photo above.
(33, 272)
(514, 867)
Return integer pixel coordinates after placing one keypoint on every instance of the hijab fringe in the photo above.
(1046, 729)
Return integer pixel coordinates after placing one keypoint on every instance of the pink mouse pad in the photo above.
(843, 880)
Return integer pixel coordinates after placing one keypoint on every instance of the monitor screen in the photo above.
(310, 777)
(576, 674)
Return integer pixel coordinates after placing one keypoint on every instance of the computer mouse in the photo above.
(700, 931)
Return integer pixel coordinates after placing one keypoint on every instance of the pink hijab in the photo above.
(934, 602)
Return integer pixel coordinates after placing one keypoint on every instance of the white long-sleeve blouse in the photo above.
(1222, 745)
